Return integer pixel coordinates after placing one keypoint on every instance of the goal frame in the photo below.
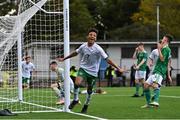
(66, 27)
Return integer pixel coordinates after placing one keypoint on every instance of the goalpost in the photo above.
(40, 30)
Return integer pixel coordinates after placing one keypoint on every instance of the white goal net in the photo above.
(39, 24)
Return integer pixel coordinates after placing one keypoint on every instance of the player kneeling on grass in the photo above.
(58, 87)
(159, 72)
(90, 58)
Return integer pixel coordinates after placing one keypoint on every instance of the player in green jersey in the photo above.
(140, 67)
(159, 72)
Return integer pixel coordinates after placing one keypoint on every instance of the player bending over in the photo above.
(140, 67)
(58, 87)
(90, 57)
(159, 72)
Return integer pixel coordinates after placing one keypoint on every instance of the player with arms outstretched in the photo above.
(90, 57)
(159, 72)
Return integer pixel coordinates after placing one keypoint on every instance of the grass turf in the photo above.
(118, 104)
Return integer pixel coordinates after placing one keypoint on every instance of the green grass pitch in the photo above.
(118, 104)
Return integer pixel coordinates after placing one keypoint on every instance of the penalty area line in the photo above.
(86, 115)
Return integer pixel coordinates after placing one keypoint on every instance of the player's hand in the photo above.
(159, 46)
(137, 49)
(60, 59)
(121, 70)
(137, 67)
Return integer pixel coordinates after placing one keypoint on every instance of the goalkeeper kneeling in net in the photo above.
(58, 87)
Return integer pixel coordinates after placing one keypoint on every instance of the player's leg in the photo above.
(80, 76)
(91, 80)
(28, 83)
(137, 85)
(143, 77)
(58, 93)
(24, 82)
(156, 91)
(156, 86)
(142, 83)
(147, 93)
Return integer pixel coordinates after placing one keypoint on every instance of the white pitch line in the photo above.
(89, 116)
(165, 96)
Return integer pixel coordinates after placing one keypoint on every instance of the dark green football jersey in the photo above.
(140, 56)
(162, 66)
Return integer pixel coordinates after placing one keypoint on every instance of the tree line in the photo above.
(119, 19)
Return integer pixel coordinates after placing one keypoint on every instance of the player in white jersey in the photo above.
(153, 57)
(58, 86)
(27, 68)
(90, 57)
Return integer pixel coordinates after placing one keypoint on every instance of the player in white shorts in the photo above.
(27, 68)
(140, 74)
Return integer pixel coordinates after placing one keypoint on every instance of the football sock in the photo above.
(143, 89)
(137, 88)
(147, 94)
(88, 96)
(76, 93)
(156, 94)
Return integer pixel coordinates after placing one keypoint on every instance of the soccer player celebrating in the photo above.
(58, 87)
(27, 68)
(90, 57)
(159, 72)
(140, 74)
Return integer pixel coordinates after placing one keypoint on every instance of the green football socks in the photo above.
(147, 95)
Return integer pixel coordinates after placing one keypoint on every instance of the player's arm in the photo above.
(142, 62)
(168, 71)
(109, 61)
(33, 70)
(73, 54)
(150, 62)
(161, 57)
(135, 53)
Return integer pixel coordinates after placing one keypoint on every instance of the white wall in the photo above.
(114, 52)
(42, 58)
(75, 60)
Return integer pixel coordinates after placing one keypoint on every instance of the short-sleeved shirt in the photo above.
(154, 57)
(60, 74)
(90, 58)
(142, 56)
(161, 66)
(27, 69)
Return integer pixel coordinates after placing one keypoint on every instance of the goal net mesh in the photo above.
(42, 39)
